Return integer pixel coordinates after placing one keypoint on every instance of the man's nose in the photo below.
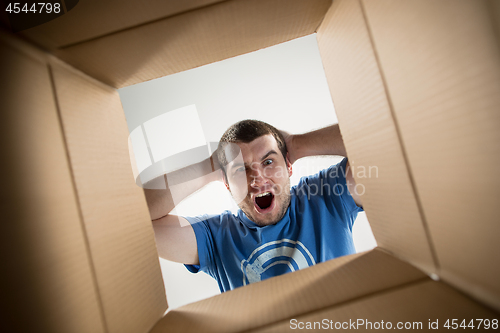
(257, 177)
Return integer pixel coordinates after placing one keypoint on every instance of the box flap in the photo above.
(260, 304)
(193, 39)
(441, 63)
(113, 208)
(371, 137)
(47, 274)
(494, 10)
(423, 305)
(91, 19)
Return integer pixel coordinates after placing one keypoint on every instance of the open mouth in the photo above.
(264, 200)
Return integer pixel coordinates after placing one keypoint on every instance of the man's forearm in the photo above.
(178, 185)
(325, 141)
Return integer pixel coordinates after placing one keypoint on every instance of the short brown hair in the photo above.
(246, 131)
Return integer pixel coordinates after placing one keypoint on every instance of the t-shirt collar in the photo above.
(251, 224)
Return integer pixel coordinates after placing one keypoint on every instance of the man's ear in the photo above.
(288, 164)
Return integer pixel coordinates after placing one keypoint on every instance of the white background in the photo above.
(283, 85)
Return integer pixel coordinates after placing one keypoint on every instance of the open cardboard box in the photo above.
(416, 87)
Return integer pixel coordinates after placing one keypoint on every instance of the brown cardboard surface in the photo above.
(81, 255)
(279, 298)
(494, 10)
(441, 62)
(4, 20)
(114, 209)
(422, 302)
(193, 39)
(47, 283)
(94, 18)
(370, 135)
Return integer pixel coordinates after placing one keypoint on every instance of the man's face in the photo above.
(259, 180)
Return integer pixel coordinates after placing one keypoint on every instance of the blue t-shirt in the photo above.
(316, 227)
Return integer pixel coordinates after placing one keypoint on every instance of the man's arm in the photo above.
(175, 238)
(325, 141)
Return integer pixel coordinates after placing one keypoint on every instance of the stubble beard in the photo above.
(282, 203)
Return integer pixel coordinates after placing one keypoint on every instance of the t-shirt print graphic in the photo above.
(283, 255)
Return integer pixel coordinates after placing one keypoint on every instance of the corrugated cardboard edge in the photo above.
(370, 135)
(52, 64)
(413, 306)
(53, 315)
(279, 298)
(443, 77)
(107, 17)
(196, 38)
(121, 243)
(494, 10)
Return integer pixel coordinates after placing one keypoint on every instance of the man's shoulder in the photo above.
(327, 173)
(327, 185)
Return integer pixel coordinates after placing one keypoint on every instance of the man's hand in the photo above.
(216, 168)
(292, 156)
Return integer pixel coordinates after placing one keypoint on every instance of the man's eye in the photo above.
(267, 162)
(240, 169)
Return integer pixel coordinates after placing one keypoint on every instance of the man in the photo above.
(278, 229)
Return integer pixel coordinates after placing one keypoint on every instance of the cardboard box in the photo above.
(416, 87)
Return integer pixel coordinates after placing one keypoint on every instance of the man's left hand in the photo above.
(292, 155)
